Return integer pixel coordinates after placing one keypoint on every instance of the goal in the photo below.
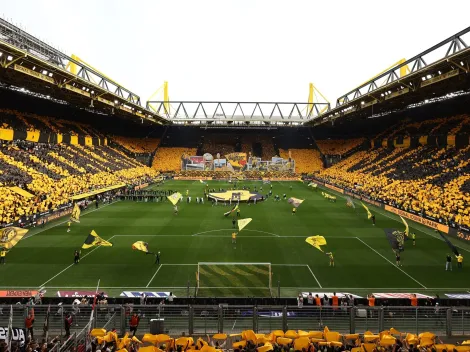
(233, 275)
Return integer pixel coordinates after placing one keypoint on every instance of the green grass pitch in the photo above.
(200, 233)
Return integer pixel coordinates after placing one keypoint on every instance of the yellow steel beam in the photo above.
(403, 71)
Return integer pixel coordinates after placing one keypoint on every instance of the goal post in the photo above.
(233, 275)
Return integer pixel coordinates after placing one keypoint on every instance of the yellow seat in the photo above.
(332, 336)
(316, 334)
(219, 336)
(368, 347)
(292, 334)
(283, 340)
(301, 342)
(238, 344)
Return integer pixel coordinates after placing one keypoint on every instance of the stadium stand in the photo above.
(427, 180)
(338, 147)
(169, 159)
(52, 173)
(307, 161)
(137, 145)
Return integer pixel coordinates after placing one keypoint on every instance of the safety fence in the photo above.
(201, 320)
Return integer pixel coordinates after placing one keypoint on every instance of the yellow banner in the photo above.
(97, 191)
(105, 101)
(33, 136)
(122, 107)
(237, 160)
(21, 192)
(32, 73)
(337, 189)
(77, 90)
(6, 134)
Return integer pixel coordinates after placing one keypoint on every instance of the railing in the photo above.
(210, 319)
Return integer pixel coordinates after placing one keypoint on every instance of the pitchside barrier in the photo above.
(210, 319)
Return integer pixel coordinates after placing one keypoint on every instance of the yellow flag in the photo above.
(407, 229)
(10, 236)
(295, 201)
(94, 240)
(141, 246)
(75, 213)
(243, 222)
(369, 214)
(316, 241)
(174, 198)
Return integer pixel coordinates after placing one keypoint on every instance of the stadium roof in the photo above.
(439, 72)
(29, 64)
(32, 66)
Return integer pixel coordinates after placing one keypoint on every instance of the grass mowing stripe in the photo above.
(52, 278)
(404, 272)
(318, 282)
(63, 222)
(156, 272)
(388, 215)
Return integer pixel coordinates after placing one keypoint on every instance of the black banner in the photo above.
(18, 334)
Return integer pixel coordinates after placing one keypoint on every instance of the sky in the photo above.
(240, 50)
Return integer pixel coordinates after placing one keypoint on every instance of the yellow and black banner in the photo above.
(54, 138)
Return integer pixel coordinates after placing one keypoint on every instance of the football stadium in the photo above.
(234, 225)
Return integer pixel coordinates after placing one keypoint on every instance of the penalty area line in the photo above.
(156, 272)
(318, 282)
(404, 272)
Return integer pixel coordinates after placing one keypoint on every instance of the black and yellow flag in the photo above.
(231, 211)
(75, 217)
(141, 246)
(10, 236)
(94, 240)
(395, 238)
(451, 246)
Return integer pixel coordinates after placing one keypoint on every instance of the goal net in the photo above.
(233, 275)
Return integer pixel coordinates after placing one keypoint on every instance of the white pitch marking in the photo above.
(404, 272)
(156, 272)
(94, 249)
(318, 282)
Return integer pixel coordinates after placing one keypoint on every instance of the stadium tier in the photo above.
(137, 145)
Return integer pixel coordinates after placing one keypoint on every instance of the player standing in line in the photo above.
(3, 254)
(234, 223)
(175, 208)
(294, 209)
(157, 258)
(373, 220)
(234, 237)
(238, 212)
(413, 237)
(76, 256)
(69, 223)
(397, 258)
(332, 258)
